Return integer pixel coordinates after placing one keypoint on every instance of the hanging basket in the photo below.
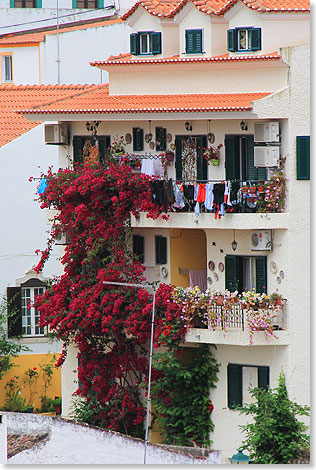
(215, 162)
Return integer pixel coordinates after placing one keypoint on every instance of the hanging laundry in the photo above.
(201, 193)
(168, 191)
(198, 278)
(42, 186)
(218, 191)
(152, 167)
(179, 200)
(209, 196)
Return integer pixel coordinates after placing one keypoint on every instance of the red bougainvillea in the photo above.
(109, 324)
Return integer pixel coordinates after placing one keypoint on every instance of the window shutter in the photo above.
(155, 43)
(193, 41)
(134, 43)
(38, 3)
(230, 165)
(104, 143)
(14, 302)
(161, 137)
(261, 274)
(11, 3)
(234, 385)
(232, 40)
(74, 3)
(303, 157)
(201, 162)
(78, 143)
(232, 273)
(138, 247)
(255, 39)
(178, 158)
(161, 249)
(100, 3)
(263, 377)
(251, 171)
(138, 139)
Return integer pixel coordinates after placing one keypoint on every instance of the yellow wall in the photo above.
(187, 251)
(24, 362)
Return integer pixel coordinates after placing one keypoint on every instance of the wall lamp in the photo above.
(188, 126)
(243, 126)
(150, 136)
(234, 243)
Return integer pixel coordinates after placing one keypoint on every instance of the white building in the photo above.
(212, 73)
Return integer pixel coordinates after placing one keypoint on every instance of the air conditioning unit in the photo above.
(261, 240)
(56, 134)
(62, 239)
(267, 132)
(267, 156)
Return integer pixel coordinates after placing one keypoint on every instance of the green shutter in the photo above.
(255, 39)
(138, 139)
(78, 143)
(38, 3)
(155, 43)
(201, 162)
(161, 249)
(134, 43)
(263, 377)
(104, 143)
(14, 303)
(303, 157)
(74, 3)
(193, 41)
(234, 385)
(251, 171)
(178, 158)
(261, 274)
(231, 40)
(138, 247)
(11, 3)
(230, 160)
(100, 3)
(233, 266)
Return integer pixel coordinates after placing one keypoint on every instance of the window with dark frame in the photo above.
(243, 273)
(235, 382)
(194, 41)
(161, 249)
(303, 157)
(145, 43)
(103, 141)
(25, 4)
(7, 75)
(23, 317)
(139, 247)
(93, 4)
(244, 39)
(138, 139)
(161, 138)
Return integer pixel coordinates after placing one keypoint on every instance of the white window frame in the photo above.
(141, 52)
(6, 63)
(248, 39)
(30, 315)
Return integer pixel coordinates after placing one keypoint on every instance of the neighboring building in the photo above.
(23, 154)
(202, 73)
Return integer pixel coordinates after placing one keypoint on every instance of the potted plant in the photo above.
(276, 298)
(212, 154)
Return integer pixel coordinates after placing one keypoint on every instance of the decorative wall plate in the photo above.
(281, 274)
(211, 265)
(172, 146)
(164, 271)
(278, 280)
(216, 276)
(169, 138)
(273, 267)
(211, 137)
(209, 280)
(146, 138)
(128, 138)
(221, 267)
(152, 145)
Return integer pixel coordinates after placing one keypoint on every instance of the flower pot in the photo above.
(215, 162)
(252, 189)
(244, 189)
(219, 300)
(261, 189)
(278, 302)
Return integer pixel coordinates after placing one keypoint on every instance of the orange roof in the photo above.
(98, 101)
(37, 37)
(168, 9)
(13, 125)
(128, 59)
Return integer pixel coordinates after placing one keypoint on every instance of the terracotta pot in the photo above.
(219, 300)
(244, 189)
(261, 189)
(253, 189)
(278, 301)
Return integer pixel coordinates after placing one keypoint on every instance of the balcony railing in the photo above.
(219, 317)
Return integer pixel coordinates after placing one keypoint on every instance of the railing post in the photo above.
(242, 318)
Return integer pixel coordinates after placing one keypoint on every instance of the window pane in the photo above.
(144, 43)
(242, 39)
(8, 68)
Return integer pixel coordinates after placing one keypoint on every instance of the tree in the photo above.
(9, 348)
(275, 436)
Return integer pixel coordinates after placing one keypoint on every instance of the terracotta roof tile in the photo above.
(217, 7)
(37, 37)
(98, 101)
(128, 59)
(13, 125)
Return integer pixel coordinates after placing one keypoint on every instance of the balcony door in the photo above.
(239, 159)
(190, 164)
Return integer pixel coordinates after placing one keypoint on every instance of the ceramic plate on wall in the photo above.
(216, 276)
(281, 274)
(169, 138)
(152, 145)
(209, 280)
(128, 138)
(172, 146)
(211, 265)
(273, 267)
(221, 267)
(278, 280)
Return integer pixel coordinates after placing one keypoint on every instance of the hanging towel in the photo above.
(42, 186)
(198, 278)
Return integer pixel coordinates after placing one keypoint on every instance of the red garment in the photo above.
(201, 193)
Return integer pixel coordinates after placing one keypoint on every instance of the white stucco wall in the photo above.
(25, 64)
(23, 223)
